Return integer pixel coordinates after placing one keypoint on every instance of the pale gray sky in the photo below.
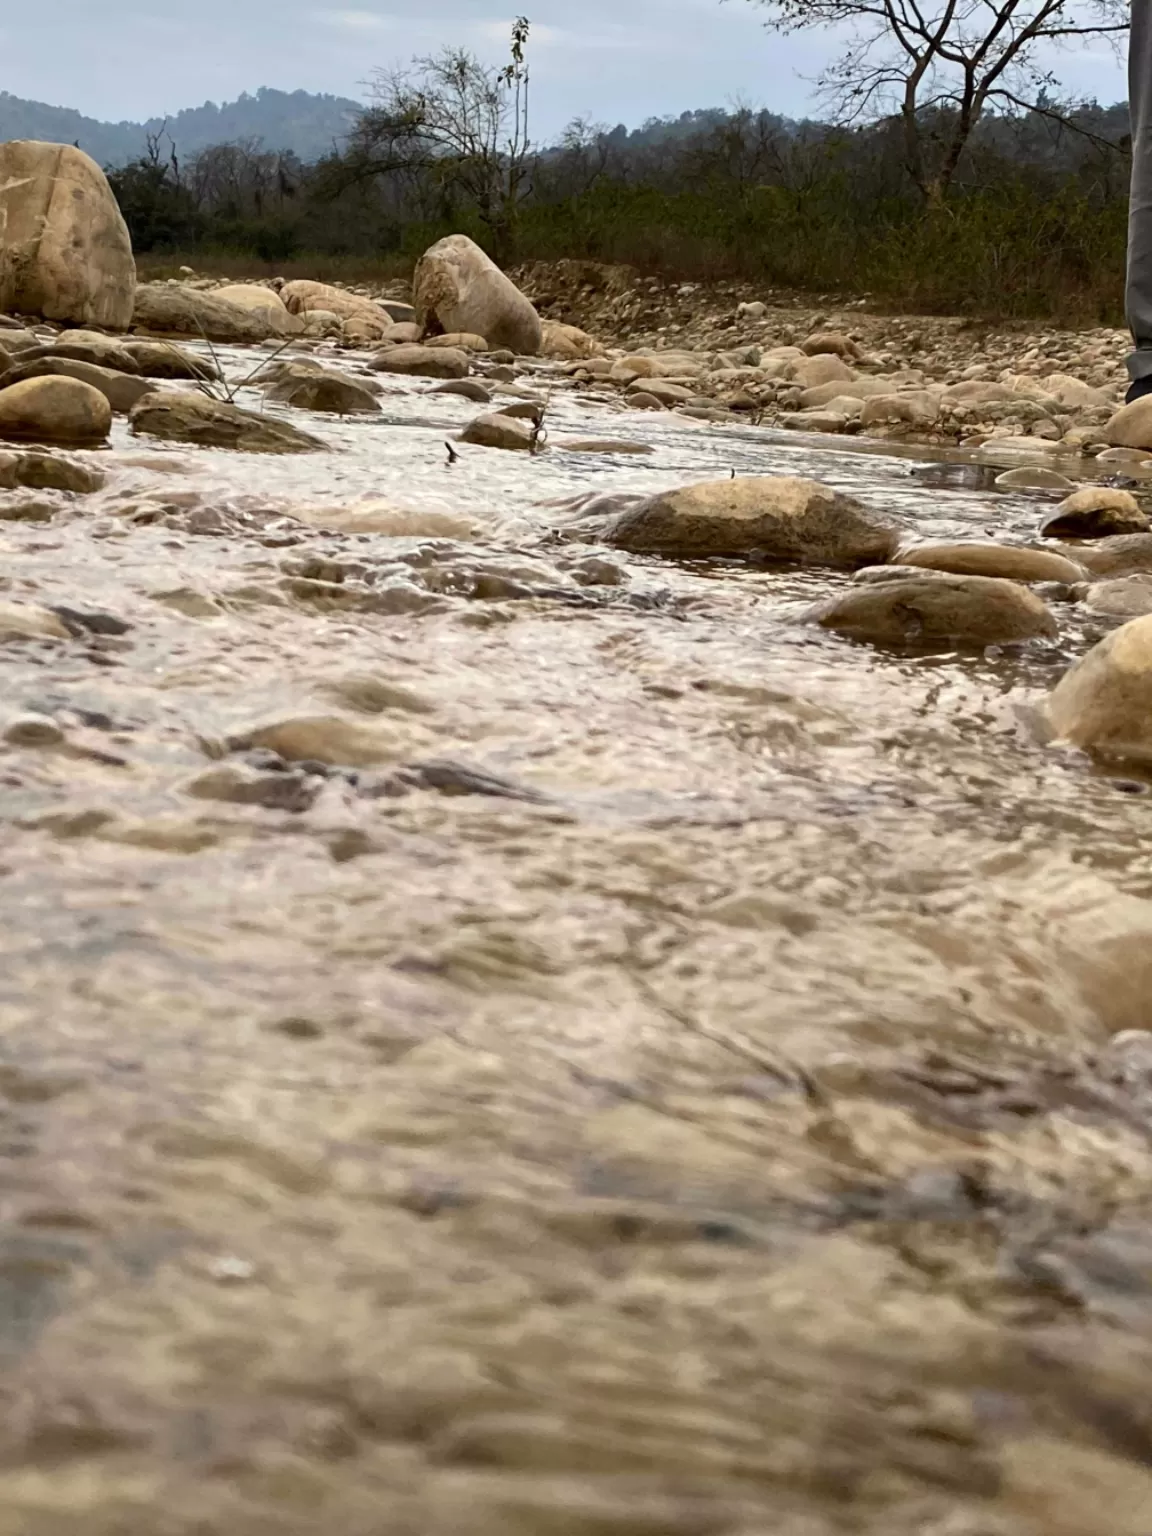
(609, 60)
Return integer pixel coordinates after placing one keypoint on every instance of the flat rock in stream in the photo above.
(189, 418)
(1104, 704)
(937, 610)
(778, 519)
(83, 347)
(605, 445)
(165, 360)
(1011, 561)
(121, 390)
(1096, 512)
(467, 389)
(321, 391)
(178, 310)
(423, 362)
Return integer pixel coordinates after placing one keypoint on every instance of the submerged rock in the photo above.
(938, 610)
(1127, 597)
(1104, 704)
(39, 471)
(1124, 554)
(1030, 478)
(25, 621)
(605, 445)
(54, 410)
(1007, 560)
(777, 519)
(329, 739)
(189, 418)
(1096, 512)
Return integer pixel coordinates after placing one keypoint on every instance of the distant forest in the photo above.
(292, 122)
(1034, 223)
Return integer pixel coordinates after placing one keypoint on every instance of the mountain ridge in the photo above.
(298, 122)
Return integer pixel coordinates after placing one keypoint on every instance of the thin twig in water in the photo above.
(539, 437)
(226, 392)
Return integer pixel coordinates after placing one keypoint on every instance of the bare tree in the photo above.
(456, 123)
(937, 66)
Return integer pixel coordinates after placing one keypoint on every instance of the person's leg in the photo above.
(1139, 288)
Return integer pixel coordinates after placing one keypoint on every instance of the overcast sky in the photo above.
(607, 60)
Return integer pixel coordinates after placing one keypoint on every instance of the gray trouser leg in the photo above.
(1139, 293)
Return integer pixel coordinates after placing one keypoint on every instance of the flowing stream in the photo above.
(498, 1038)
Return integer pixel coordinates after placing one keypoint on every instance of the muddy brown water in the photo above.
(501, 1040)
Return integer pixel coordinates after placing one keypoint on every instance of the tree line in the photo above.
(946, 173)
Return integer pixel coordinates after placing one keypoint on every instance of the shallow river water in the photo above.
(656, 1069)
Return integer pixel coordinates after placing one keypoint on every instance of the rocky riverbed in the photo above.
(523, 1016)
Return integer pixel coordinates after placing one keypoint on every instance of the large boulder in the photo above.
(54, 410)
(174, 309)
(931, 611)
(121, 390)
(84, 348)
(777, 519)
(1104, 704)
(1131, 427)
(456, 287)
(1096, 512)
(65, 252)
(497, 430)
(262, 301)
(191, 418)
(423, 362)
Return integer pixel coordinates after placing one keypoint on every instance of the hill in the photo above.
(295, 121)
